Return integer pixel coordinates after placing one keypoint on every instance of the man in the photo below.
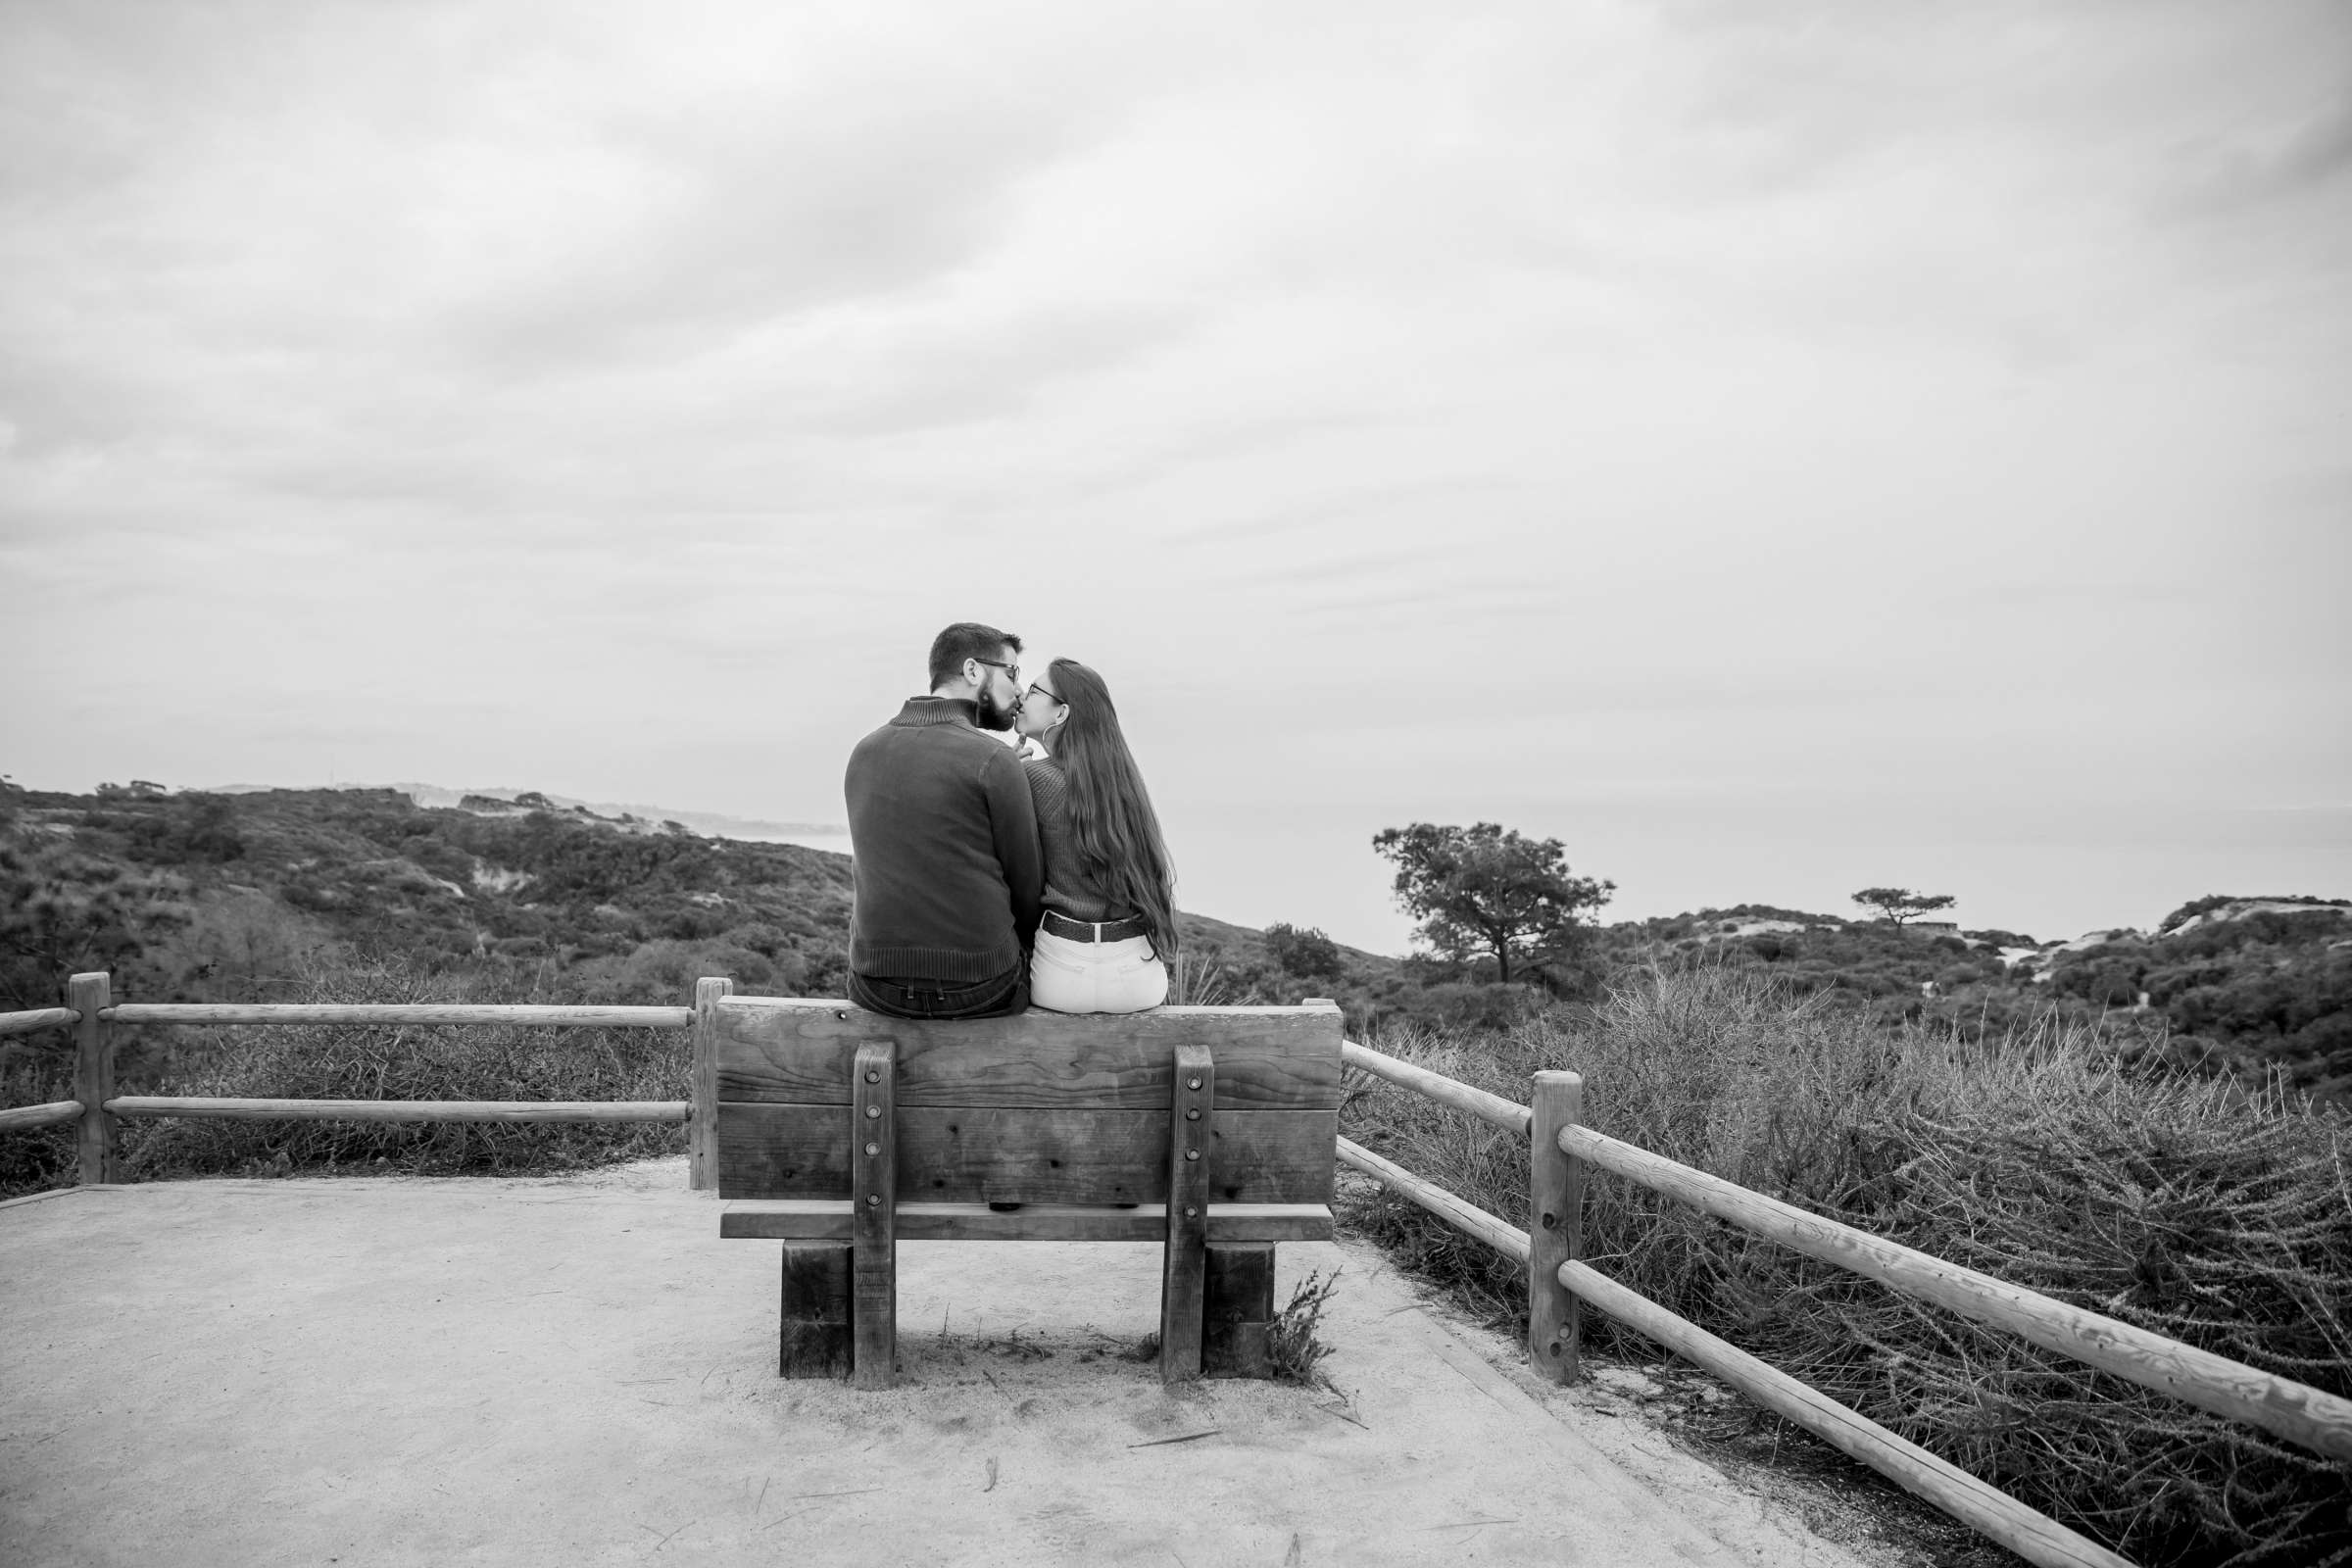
(948, 872)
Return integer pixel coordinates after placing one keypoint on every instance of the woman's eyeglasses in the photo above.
(1035, 690)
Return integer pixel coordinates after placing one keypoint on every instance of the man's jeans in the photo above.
(908, 998)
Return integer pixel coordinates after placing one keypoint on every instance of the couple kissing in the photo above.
(989, 876)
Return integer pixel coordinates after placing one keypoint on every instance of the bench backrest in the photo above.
(1041, 1109)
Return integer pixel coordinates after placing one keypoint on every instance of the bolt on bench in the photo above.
(1211, 1130)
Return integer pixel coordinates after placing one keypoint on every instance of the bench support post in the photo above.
(1192, 1127)
(1239, 1306)
(814, 1342)
(874, 1190)
(1555, 1191)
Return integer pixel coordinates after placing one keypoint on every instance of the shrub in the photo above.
(2187, 1206)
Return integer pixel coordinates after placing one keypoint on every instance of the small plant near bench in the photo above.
(1293, 1346)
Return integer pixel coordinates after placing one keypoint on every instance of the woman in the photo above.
(1109, 926)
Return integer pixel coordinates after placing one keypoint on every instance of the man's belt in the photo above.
(1062, 925)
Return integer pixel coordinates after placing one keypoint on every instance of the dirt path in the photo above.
(578, 1370)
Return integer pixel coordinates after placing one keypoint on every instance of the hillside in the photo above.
(213, 896)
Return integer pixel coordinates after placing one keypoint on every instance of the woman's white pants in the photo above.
(1124, 976)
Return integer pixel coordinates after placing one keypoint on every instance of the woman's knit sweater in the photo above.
(1068, 890)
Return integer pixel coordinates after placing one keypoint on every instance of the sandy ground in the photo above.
(580, 1370)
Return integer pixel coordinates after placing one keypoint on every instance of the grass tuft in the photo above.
(1292, 1344)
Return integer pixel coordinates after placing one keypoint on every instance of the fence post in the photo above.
(1555, 1190)
(94, 1075)
(702, 1117)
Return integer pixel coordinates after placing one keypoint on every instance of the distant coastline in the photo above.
(710, 824)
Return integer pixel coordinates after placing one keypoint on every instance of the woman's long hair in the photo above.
(1117, 832)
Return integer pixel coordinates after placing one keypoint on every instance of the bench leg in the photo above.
(1239, 1308)
(814, 1342)
(1185, 1265)
(875, 1165)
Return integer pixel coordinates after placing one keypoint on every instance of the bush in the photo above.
(2187, 1206)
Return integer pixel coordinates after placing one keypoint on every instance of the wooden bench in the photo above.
(1210, 1130)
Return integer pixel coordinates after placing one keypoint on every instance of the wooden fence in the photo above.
(1561, 1151)
(93, 1016)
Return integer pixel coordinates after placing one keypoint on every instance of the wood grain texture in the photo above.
(874, 1296)
(1556, 1193)
(814, 1340)
(24, 1119)
(1509, 1239)
(831, 1220)
(94, 1077)
(24, 1024)
(1028, 1156)
(701, 1129)
(400, 1012)
(1507, 1114)
(2033, 1536)
(224, 1110)
(1238, 1311)
(2318, 1420)
(797, 1052)
(1191, 1154)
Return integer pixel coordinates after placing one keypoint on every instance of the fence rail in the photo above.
(221, 1109)
(396, 1013)
(2032, 1535)
(24, 1024)
(24, 1119)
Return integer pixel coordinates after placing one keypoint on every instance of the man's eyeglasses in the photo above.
(1013, 671)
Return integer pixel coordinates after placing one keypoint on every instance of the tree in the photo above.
(1482, 889)
(1307, 955)
(1902, 905)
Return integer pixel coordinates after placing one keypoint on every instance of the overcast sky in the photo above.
(1773, 448)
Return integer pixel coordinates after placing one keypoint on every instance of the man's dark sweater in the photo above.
(948, 874)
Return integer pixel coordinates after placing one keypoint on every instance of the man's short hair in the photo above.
(966, 639)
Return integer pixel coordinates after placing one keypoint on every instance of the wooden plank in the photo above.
(1027, 1157)
(1184, 1269)
(2317, 1419)
(224, 1110)
(24, 1119)
(701, 1127)
(94, 1076)
(401, 1012)
(2033, 1536)
(24, 1024)
(1238, 1306)
(790, 1050)
(1555, 1192)
(1507, 1114)
(1508, 1238)
(812, 1340)
(874, 1296)
(832, 1219)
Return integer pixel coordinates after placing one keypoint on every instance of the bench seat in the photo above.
(839, 1133)
(821, 1219)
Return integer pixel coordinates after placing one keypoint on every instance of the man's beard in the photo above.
(991, 713)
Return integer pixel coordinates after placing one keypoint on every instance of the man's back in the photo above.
(948, 872)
